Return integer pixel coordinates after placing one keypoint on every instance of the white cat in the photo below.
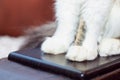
(102, 18)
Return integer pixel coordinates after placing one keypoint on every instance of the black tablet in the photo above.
(59, 65)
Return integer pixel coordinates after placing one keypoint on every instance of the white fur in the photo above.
(109, 47)
(102, 17)
(55, 45)
(9, 44)
(67, 17)
(80, 53)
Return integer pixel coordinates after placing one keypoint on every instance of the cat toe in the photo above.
(109, 47)
(54, 46)
(79, 53)
(73, 52)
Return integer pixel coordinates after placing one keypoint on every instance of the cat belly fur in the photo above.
(112, 27)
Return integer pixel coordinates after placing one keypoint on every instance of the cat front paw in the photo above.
(55, 45)
(109, 47)
(80, 53)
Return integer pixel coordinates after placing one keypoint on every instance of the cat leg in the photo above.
(94, 16)
(88, 51)
(67, 14)
(110, 44)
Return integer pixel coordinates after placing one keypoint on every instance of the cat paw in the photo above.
(80, 53)
(109, 47)
(54, 46)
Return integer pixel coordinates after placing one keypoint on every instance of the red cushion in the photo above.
(17, 15)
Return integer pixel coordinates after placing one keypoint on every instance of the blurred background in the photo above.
(18, 15)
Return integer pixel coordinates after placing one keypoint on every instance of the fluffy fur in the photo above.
(102, 19)
(9, 44)
(36, 36)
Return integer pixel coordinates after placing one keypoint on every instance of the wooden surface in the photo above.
(13, 71)
(114, 75)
